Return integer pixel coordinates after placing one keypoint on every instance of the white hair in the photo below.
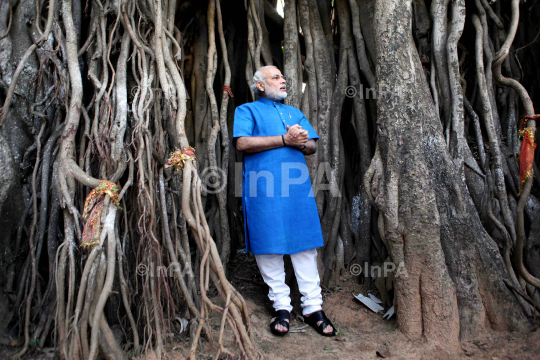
(258, 76)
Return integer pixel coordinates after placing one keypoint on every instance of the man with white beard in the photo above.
(280, 213)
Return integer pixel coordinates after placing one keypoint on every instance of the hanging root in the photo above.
(206, 245)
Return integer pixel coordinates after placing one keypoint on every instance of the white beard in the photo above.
(275, 95)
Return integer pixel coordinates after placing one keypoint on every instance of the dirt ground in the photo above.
(362, 333)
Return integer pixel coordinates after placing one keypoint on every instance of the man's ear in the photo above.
(260, 86)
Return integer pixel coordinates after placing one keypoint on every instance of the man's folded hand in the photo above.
(296, 136)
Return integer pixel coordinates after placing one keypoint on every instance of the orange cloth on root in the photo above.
(179, 157)
(93, 207)
(92, 230)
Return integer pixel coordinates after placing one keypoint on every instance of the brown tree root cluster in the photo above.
(134, 42)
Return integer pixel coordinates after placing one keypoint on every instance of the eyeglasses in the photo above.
(276, 77)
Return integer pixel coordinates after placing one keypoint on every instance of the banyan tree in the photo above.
(116, 158)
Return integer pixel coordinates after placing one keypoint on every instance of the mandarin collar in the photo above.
(268, 101)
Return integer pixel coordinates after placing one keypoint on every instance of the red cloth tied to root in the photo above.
(93, 207)
(179, 157)
(228, 90)
(526, 156)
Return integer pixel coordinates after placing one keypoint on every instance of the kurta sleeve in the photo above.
(304, 123)
(243, 123)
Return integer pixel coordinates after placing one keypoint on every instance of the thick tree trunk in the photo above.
(455, 272)
(426, 296)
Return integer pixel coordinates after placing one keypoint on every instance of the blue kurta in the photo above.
(280, 213)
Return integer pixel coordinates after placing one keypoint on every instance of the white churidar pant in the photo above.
(305, 268)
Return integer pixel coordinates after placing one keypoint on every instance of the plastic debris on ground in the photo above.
(389, 313)
(374, 298)
(369, 302)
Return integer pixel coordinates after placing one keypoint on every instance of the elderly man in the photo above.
(280, 214)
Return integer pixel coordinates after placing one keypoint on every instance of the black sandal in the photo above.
(280, 317)
(314, 318)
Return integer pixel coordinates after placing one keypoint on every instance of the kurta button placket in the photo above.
(280, 115)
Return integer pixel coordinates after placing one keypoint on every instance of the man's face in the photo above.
(274, 87)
